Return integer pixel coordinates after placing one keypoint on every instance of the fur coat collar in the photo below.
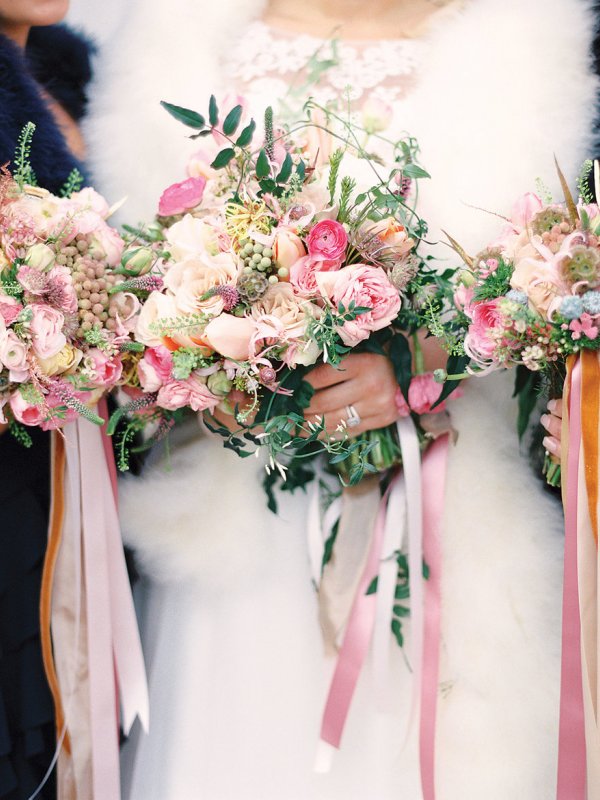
(58, 60)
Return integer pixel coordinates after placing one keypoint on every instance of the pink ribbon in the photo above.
(114, 649)
(571, 783)
(434, 480)
(356, 641)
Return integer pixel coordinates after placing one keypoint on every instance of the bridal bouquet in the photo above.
(64, 334)
(531, 299)
(276, 258)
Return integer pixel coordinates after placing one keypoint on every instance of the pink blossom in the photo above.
(327, 240)
(584, 325)
(486, 318)
(24, 412)
(525, 209)
(365, 286)
(106, 371)
(46, 327)
(154, 369)
(303, 273)
(191, 392)
(10, 308)
(463, 296)
(423, 392)
(13, 355)
(181, 196)
(60, 287)
(107, 243)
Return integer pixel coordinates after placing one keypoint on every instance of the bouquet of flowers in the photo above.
(530, 299)
(276, 258)
(64, 329)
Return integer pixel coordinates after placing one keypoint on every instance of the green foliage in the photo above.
(232, 120)
(401, 358)
(20, 433)
(286, 169)
(348, 185)
(73, 183)
(583, 184)
(213, 111)
(223, 158)
(22, 170)
(496, 284)
(263, 168)
(190, 118)
(246, 135)
(527, 386)
(334, 167)
(185, 361)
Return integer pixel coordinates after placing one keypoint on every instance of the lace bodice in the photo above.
(269, 63)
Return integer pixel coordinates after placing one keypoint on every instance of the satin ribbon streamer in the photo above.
(425, 622)
(114, 661)
(571, 783)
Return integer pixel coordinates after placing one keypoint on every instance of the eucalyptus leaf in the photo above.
(213, 111)
(246, 135)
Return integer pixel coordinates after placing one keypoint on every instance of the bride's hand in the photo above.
(363, 380)
(552, 422)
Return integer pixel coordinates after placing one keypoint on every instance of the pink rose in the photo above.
(304, 271)
(191, 392)
(13, 354)
(486, 320)
(105, 371)
(231, 336)
(327, 240)
(46, 328)
(154, 369)
(24, 412)
(181, 197)
(365, 286)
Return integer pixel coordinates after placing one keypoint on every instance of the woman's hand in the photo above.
(552, 422)
(363, 380)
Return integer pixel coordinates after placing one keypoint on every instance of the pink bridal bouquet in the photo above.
(64, 332)
(274, 259)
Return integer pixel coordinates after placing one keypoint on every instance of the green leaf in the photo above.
(190, 118)
(527, 385)
(373, 586)
(246, 135)
(301, 170)
(263, 168)
(223, 158)
(401, 358)
(286, 169)
(213, 110)
(402, 592)
(397, 631)
(401, 611)
(414, 171)
(232, 120)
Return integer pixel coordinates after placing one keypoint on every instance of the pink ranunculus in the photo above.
(47, 330)
(192, 392)
(13, 355)
(154, 369)
(10, 308)
(24, 412)
(486, 318)
(231, 336)
(303, 274)
(365, 286)
(327, 240)
(181, 196)
(106, 371)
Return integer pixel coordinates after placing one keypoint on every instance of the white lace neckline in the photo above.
(267, 61)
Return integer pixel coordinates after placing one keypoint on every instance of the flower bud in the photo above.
(287, 248)
(440, 375)
(40, 256)
(137, 261)
(219, 384)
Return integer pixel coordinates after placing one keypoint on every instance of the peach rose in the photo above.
(192, 237)
(64, 361)
(287, 248)
(392, 235)
(190, 281)
(231, 336)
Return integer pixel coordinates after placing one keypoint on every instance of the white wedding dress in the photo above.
(227, 611)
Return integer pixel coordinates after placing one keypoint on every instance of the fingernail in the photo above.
(552, 405)
(545, 419)
(551, 445)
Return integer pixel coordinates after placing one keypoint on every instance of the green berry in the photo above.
(256, 258)
(248, 249)
(258, 248)
(265, 262)
(247, 270)
(283, 272)
(268, 252)
(273, 279)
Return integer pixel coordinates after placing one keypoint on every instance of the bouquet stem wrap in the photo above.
(92, 649)
(579, 741)
(422, 481)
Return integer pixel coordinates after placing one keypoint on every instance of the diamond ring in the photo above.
(352, 417)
